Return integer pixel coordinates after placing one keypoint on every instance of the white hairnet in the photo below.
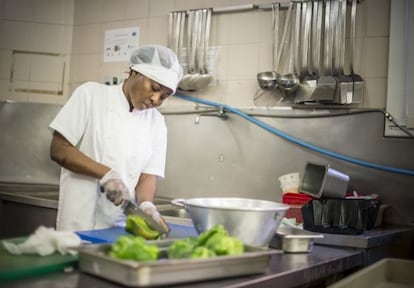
(158, 63)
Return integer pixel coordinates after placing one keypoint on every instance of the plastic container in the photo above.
(340, 216)
(289, 182)
(319, 180)
(295, 202)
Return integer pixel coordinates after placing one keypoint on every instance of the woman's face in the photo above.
(143, 93)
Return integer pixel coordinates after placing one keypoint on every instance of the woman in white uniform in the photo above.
(111, 138)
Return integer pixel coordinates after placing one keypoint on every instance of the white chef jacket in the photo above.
(96, 119)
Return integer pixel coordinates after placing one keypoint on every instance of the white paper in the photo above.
(119, 43)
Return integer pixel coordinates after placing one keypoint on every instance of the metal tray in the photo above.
(93, 259)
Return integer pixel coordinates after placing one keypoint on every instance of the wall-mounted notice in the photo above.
(119, 43)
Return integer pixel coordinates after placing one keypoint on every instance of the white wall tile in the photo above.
(43, 98)
(265, 22)
(188, 4)
(136, 8)
(216, 93)
(16, 35)
(87, 39)
(245, 28)
(376, 57)
(21, 67)
(241, 2)
(159, 25)
(222, 63)
(49, 11)
(113, 10)
(5, 64)
(243, 63)
(265, 57)
(47, 37)
(161, 7)
(110, 70)
(85, 67)
(45, 68)
(378, 18)
(4, 90)
(19, 10)
(69, 15)
(87, 12)
(375, 91)
(240, 93)
(67, 41)
(216, 3)
(48, 87)
(220, 29)
(18, 96)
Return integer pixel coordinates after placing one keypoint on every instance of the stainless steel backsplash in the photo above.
(25, 141)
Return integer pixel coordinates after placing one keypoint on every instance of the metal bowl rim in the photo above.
(192, 202)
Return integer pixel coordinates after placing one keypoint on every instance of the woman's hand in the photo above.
(114, 188)
(149, 208)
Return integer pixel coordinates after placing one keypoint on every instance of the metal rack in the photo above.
(250, 7)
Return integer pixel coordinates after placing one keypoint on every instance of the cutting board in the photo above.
(21, 266)
(109, 235)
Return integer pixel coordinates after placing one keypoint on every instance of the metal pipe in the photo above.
(249, 7)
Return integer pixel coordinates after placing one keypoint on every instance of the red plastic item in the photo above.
(295, 201)
(296, 198)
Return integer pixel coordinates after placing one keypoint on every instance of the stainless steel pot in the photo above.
(253, 221)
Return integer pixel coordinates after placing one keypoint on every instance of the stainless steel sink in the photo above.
(161, 200)
(174, 212)
(43, 195)
(175, 215)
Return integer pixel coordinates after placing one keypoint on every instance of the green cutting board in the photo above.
(26, 265)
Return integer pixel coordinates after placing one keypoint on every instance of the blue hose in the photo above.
(295, 140)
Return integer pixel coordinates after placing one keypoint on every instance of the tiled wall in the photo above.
(75, 29)
(35, 49)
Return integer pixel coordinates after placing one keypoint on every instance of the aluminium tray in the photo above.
(93, 259)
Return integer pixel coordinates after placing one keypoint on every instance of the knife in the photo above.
(129, 208)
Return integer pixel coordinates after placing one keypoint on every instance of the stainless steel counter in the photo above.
(285, 270)
(24, 207)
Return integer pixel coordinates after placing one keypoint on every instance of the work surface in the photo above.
(285, 270)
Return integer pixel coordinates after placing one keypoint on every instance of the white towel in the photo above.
(45, 241)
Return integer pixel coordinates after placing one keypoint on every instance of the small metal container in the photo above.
(319, 180)
(294, 240)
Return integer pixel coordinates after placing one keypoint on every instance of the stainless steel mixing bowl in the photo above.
(253, 221)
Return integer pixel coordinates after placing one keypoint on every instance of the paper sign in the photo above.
(119, 43)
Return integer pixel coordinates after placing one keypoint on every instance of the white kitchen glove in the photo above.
(45, 241)
(149, 208)
(114, 188)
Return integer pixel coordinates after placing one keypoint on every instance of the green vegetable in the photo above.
(182, 248)
(201, 252)
(215, 241)
(217, 229)
(225, 245)
(134, 248)
(137, 226)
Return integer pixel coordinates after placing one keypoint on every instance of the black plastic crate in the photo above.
(340, 216)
